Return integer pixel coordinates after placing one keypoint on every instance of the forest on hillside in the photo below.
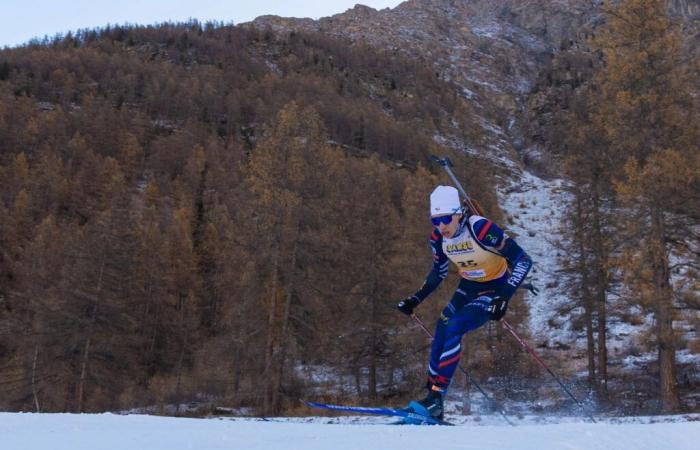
(627, 130)
(196, 212)
(623, 119)
(224, 215)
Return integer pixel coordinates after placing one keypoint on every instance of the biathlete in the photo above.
(492, 266)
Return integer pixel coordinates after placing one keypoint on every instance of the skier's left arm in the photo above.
(519, 262)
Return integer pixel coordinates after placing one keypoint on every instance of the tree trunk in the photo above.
(373, 337)
(91, 327)
(590, 340)
(34, 389)
(602, 348)
(270, 341)
(271, 321)
(282, 351)
(357, 372)
(237, 363)
(143, 326)
(153, 340)
(588, 302)
(84, 363)
(664, 319)
(601, 282)
(237, 371)
(372, 378)
(179, 369)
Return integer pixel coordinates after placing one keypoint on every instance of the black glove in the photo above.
(499, 306)
(408, 304)
(532, 288)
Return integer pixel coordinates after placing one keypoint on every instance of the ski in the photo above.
(410, 417)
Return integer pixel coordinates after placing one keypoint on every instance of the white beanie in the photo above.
(444, 200)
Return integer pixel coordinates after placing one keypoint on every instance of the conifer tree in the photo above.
(647, 113)
(283, 171)
(590, 165)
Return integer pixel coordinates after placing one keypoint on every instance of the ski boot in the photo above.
(431, 406)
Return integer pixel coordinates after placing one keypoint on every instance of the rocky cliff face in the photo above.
(494, 51)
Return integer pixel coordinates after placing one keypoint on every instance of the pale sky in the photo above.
(21, 20)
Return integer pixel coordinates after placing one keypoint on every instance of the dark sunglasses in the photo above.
(445, 220)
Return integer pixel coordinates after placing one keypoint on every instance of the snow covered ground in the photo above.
(534, 209)
(135, 432)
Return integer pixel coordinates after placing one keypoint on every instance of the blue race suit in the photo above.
(491, 265)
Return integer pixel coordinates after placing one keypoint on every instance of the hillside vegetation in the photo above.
(194, 212)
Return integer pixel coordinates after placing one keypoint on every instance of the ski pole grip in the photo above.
(444, 162)
(437, 159)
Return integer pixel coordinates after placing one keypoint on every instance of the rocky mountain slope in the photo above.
(493, 51)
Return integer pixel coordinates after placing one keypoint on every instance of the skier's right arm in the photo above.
(434, 278)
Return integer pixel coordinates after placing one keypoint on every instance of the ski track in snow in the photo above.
(135, 432)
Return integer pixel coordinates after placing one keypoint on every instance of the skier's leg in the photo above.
(441, 342)
(464, 313)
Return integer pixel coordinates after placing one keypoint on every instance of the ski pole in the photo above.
(529, 349)
(471, 380)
